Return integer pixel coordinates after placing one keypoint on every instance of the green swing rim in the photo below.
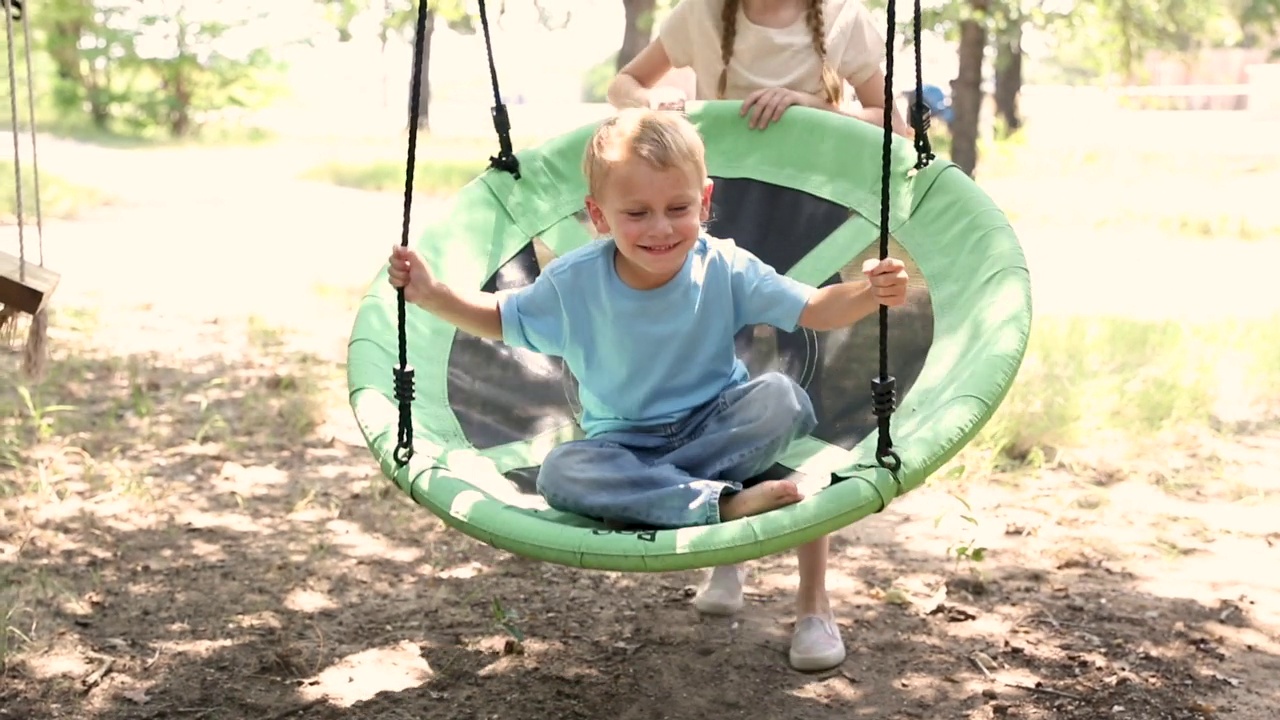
(963, 244)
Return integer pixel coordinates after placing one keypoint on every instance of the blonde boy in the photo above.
(676, 431)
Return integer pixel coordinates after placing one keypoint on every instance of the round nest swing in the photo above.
(461, 424)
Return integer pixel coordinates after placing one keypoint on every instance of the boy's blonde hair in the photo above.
(662, 138)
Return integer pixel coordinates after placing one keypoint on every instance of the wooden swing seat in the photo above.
(23, 285)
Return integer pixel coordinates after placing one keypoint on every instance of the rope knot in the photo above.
(404, 396)
(884, 396)
(506, 161)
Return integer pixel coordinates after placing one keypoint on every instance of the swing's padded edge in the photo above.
(30, 295)
(963, 244)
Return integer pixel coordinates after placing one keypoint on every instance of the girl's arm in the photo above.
(633, 84)
(870, 94)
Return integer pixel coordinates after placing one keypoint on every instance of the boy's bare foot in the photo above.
(768, 495)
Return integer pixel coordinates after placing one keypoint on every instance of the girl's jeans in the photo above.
(673, 475)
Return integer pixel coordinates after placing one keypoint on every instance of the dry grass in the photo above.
(140, 429)
(1123, 381)
(60, 199)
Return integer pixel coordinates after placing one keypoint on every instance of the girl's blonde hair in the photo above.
(832, 85)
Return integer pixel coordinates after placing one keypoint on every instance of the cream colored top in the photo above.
(765, 57)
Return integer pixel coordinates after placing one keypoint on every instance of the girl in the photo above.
(771, 54)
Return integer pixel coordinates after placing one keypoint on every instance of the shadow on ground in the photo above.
(189, 540)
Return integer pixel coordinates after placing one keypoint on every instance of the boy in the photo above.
(675, 430)
(645, 320)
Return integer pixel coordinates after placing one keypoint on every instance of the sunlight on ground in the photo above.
(356, 542)
(210, 520)
(304, 600)
(835, 688)
(364, 674)
(248, 481)
(59, 663)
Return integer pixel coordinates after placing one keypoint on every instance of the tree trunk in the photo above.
(180, 92)
(966, 90)
(638, 31)
(424, 92)
(1009, 78)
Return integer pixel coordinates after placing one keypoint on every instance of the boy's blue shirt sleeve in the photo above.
(533, 317)
(763, 296)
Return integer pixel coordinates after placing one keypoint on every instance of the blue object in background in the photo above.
(936, 100)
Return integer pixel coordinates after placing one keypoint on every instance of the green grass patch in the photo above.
(95, 401)
(1085, 379)
(59, 199)
(80, 128)
(1205, 226)
(433, 176)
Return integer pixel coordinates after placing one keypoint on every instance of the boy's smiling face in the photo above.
(655, 216)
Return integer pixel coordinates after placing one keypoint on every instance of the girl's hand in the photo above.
(666, 98)
(766, 105)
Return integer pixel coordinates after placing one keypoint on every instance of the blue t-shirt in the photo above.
(645, 357)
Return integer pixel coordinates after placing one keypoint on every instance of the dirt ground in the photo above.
(201, 535)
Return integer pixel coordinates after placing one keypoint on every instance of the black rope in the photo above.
(920, 115)
(403, 373)
(10, 14)
(505, 159)
(883, 392)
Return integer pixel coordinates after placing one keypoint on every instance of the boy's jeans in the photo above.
(673, 475)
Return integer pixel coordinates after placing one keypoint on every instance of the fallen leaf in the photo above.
(897, 596)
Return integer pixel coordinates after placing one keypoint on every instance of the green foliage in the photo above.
(967, 549)
(507, 619)
(1109, 38)
(1258, 20)
(399, 17)
(1088, 377)
(145, 67)
(1094, 41)
(595, 82)
(341, 13)
(430, 176)
(59, 199)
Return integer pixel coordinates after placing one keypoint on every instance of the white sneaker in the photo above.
(816, 644)
(721, 594)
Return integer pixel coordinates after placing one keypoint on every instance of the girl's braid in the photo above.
(832, 85)
(728, 32)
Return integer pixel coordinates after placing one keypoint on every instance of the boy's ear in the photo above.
(598, 219)
(706, 199)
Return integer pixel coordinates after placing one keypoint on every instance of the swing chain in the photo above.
(505, 159)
